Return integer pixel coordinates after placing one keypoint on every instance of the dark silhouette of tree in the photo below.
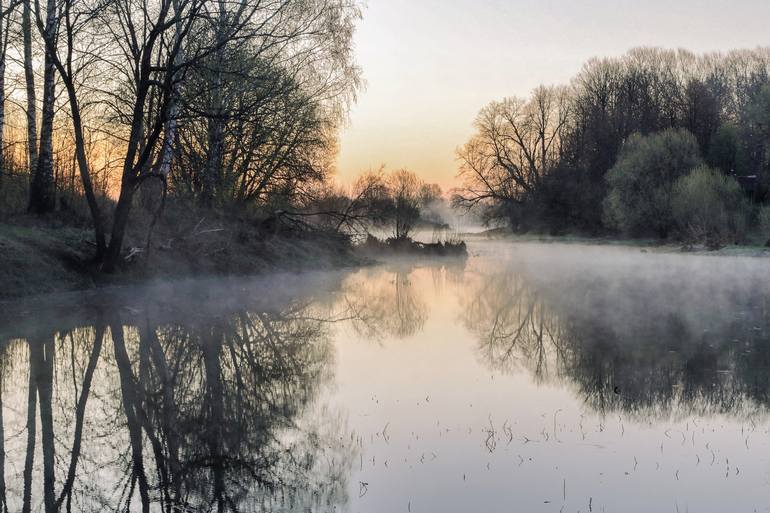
(404, 188)
(42, 197)
(29, 76)
(542, 163)
(516, 145)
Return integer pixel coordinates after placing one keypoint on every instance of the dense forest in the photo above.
(656, 143)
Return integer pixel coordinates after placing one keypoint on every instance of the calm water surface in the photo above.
(528, 378)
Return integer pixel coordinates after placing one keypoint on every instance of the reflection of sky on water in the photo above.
(530, 378)
(475, 424)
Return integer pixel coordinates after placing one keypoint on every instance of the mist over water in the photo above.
(531, 377)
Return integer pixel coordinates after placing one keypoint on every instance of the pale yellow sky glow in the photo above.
(430, 65)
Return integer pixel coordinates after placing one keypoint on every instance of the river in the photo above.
(530, 377)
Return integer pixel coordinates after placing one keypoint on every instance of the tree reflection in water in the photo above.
(629, 345)
(141, 412)
(391, 302)
(212, 404)
(386, 303)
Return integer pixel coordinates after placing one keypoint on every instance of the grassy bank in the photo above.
(753, 246)
(43, 255)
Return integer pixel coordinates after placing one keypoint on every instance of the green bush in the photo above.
(640, 182)
(709, 207)
(763, 222)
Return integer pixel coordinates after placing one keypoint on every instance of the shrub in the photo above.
(640, 182)
(763, 222)
(709, 207)
(14, 195)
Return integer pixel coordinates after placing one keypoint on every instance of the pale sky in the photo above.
(430, 65)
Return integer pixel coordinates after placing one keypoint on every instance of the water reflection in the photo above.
(270, 395)
(514, 325)
(653, 342)
(387, 303)
(132, 411)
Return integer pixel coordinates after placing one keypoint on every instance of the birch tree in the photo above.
(70, 62)
(29, 77)
(42, 197)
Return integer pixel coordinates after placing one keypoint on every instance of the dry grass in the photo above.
(50, 254)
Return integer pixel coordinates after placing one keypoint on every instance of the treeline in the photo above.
(114, 104)
(609, 152)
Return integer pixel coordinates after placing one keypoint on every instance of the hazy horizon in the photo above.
(430, 66)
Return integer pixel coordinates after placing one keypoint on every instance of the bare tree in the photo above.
(170, 130)
(404, 189)
(261, 110)
(246, 95)
(75, 27)
(155, 66)
(517, 142)
(150, 40)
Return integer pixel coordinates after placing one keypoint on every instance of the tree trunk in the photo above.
(119, 222)
(128, 182)
(42, 191)
(85, 174)
(169, 135)
(65, 73)
(2, 116)
(210, 181)
(216, 144)
(29, 76)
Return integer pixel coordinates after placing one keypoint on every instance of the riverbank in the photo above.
(40, 256)
(753, 247)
